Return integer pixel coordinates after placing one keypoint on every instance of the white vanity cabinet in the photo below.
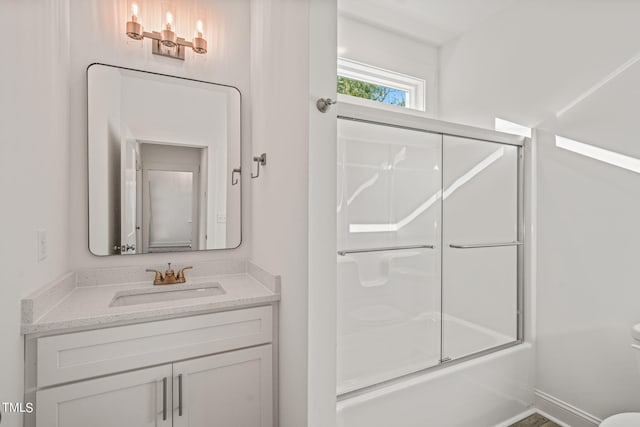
(207, 370)
(133, 399)
(232, 389)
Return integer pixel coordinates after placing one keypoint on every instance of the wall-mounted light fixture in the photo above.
(166, 42)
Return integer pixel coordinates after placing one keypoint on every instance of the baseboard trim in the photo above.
(562, 412)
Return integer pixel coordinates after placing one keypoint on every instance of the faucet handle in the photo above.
(181, 273)
(158, 277)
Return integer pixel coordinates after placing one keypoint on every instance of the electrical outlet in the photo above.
(222, 218)
(42, 245)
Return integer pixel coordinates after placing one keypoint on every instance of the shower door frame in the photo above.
(420, 123)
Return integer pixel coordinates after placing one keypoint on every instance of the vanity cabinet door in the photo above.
(139, 398)
(233, 389)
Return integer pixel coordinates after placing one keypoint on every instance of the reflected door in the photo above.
(480, 249)
(168, 209)
(389, 210)
(128, 205)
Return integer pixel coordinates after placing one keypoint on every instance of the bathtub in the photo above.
(482, 392)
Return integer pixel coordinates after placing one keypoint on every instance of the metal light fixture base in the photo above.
(135, 30)
(199, 45)
(176, 52)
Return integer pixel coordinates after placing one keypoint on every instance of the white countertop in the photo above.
(85, 307)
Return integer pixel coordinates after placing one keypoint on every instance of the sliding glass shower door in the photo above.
(429, 250)
(389, 230)
(480, 246)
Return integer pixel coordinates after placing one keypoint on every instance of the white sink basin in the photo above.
(167, 293)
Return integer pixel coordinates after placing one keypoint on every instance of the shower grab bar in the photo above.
(389, 248)
(484, 245)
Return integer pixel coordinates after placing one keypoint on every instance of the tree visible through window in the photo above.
(360, 89)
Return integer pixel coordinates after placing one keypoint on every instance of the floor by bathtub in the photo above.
(535, 420)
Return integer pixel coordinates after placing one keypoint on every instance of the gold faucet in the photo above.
(170, 277)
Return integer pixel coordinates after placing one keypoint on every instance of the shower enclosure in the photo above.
(430, 236)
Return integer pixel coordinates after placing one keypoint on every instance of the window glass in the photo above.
(366, 90)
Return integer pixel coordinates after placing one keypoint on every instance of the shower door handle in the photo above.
(384, 249)
(484, 245)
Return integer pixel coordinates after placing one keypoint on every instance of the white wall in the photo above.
(362, 42)
(34, 178)
(527, 64)
(588, 255)
(532, 59)
(280, 89)
(321, 229)
(97, 35)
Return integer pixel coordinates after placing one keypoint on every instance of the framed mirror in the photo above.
(164, 163)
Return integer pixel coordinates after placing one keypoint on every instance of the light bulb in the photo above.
(168, 36)
(199, 44)
(134, 12)
(134, 28)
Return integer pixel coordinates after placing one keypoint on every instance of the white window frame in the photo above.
(414, 87)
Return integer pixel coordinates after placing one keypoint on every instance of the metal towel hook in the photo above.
(234, 180)
(323, 104)
(261, 160)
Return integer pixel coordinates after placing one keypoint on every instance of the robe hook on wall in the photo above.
(261, 160)
(234, 179)
(323, 104)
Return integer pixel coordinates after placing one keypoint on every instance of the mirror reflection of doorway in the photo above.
(170, 197)
(169, 209)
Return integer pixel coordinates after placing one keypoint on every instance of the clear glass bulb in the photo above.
(134, 28)
(169, 20)
(134, 12)
(199, 29)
